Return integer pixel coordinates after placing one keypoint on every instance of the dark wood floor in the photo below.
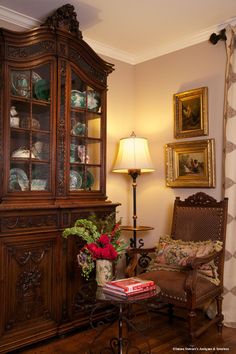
(163, 338)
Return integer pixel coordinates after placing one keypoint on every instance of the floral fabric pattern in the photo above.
(173, 255)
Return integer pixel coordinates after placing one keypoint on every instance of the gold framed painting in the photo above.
(191, 113)
(191, 164)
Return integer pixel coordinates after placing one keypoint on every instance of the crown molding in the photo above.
(18, 18)
(110, 51)
(27, 22)
(183, 42)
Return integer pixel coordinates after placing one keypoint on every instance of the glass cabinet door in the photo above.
(85, 136)
(30, 129)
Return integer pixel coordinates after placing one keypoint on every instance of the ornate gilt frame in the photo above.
(191, 164)
(191, 113)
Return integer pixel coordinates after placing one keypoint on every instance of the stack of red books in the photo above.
(129, 287)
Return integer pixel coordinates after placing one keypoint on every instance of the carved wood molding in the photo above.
(32, 50)
(64, 18)
(200, 198)
(33, 221)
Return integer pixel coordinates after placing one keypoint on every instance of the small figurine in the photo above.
(14, 119)
(82, 154)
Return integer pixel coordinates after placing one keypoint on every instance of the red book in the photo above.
(129, 294)
(128, 285)
(133, 297)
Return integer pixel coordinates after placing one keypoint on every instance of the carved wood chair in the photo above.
(197, 218)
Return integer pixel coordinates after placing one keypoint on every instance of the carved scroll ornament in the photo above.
(64, 18)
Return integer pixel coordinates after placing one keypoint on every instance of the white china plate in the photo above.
(23, 154)
(78, 99)
(18, 180)
(75, 180)
(93, 101)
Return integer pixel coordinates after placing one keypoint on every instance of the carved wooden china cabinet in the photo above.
(52, 168)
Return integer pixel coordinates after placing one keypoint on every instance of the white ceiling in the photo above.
(130, 30)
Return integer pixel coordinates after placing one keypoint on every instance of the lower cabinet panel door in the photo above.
(29, 287)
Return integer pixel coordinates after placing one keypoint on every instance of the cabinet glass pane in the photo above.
(93, 100)
(94, 174)
(40, 117)
(40, 177)
(94, 125)
(31, 83)
(78, 151)
(85, 136)
(93, 152)
(19, 177)
(84, 179)
(30, 129)
(78, 124)
(20, 144)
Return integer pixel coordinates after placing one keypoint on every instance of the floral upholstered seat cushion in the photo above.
(173, 255)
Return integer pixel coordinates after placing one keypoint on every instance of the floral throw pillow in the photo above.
(173, 255)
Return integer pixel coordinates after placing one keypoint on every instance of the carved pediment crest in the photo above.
(64, 18)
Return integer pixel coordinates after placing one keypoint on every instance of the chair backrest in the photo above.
(200, 218)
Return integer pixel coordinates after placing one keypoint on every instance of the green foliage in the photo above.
(90, 230)
(83, 228)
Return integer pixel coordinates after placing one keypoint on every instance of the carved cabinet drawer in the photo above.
(15, 222)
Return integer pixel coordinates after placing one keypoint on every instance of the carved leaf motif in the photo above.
(200, 199)
(27, 283)
(76, 57)
(64, 18)
(21, 222)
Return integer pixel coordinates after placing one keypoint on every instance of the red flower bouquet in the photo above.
(102, 241)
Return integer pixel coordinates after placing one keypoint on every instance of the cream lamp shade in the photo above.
(133, 154)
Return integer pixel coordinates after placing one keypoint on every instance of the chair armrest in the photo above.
(195, 262)
(132, 251)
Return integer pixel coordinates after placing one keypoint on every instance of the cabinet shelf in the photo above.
(33, 100)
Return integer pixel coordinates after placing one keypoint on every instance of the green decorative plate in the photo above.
(78, 99)
(42, 90)
(87, 180)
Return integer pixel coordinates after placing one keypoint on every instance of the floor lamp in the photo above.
(134, 159)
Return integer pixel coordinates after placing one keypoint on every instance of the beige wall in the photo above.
(140, 98)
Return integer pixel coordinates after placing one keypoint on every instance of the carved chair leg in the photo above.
(191, 317)
(219, 300)
(170, 313)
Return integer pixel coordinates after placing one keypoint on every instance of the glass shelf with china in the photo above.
(85, 136)
(30, 129)
(31, 83)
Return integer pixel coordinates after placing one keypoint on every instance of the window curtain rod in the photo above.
(214, 38)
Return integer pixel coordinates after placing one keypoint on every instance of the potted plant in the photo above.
(102, 245)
